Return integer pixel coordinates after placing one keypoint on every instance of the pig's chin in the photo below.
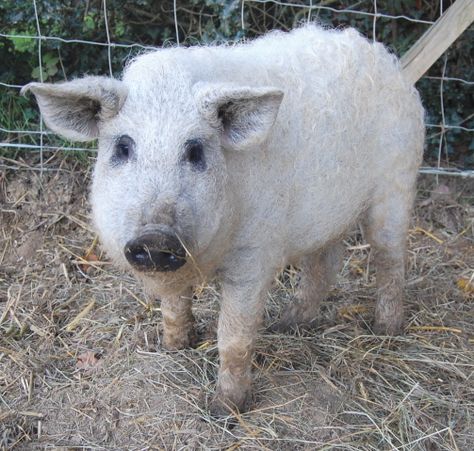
(169, 282)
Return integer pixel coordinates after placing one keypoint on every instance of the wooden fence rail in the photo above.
(437, 39)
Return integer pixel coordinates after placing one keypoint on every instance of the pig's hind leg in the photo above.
(318, 274)
(386, 228)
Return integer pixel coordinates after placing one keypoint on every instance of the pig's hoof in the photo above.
(222, 406)
(391, 328)
(282, 327)
(297, 316)
(285, 326)
(175, 342)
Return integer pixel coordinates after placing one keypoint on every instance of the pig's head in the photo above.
(159, 193)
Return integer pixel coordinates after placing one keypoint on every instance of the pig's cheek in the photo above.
(106, 223)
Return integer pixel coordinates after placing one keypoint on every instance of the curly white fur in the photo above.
(304, 132)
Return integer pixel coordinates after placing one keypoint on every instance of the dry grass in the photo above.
(81, 365)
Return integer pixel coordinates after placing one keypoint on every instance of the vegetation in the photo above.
(148, 23)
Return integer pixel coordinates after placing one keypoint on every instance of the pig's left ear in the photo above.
(243, 116)
(74, 109)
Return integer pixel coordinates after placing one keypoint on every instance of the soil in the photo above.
(81, 366)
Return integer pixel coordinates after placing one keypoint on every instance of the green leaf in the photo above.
(50, 59)
(51, 70)
(89, 23)
(119, 29)
(36, 73)
(23, 45)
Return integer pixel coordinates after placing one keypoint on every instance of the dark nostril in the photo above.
(137, 252)
(172, 258)
(141, 256)
(155, 252)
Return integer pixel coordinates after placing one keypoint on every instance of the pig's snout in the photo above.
(155, 251)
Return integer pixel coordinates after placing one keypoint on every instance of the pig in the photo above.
(232, 161)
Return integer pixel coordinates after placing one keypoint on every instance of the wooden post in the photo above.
(437, 39)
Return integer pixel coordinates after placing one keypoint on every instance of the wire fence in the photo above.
(43, 141)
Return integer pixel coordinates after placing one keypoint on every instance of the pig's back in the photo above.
(348, 124)
(343, 94)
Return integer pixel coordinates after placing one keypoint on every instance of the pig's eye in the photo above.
(123, 149)
(194, 154)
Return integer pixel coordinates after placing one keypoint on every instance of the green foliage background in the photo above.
(151, 23)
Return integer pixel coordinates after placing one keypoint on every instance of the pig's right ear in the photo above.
(243, 115)
(74, 109)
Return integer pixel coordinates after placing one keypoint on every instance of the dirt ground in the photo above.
(81, 365)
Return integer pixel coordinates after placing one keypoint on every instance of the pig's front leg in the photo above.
(243, 300)
(178, 321)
